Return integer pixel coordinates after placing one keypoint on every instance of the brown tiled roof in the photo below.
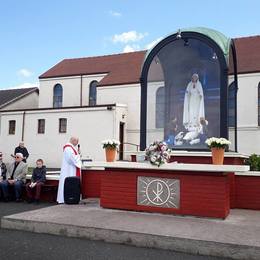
(122, 68)
(9, 95)
(248, 54)
(125, 68)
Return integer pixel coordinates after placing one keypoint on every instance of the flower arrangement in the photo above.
(110, 144)
(157, 153)
(219, 143)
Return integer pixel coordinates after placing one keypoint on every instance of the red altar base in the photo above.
(247, 192)
(244, 191)
(204, 194)
(91, 183)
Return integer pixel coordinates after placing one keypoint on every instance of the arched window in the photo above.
(93, 93)
(57, 96)
(232, 105)
(258, 104)
(159, 117)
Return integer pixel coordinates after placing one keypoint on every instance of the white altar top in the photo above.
(197, 154)
(167, 167)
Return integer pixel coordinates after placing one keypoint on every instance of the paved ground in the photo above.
(14, 207)
(20, 245)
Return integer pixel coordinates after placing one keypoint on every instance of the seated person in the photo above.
(172, 128)
(16, 177)
(38, 179)
(2, 170)
(203, 131)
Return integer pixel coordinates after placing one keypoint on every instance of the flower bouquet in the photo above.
(157, 153)
(215, 142)
(217, 146)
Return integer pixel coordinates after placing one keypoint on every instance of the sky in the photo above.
(37, 34)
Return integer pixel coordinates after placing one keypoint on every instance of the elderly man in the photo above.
(16, 177)
(71, 165)
(23, 150)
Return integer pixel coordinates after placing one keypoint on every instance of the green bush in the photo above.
(254, 162)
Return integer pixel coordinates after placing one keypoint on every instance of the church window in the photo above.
(57, 96)
(258, 104)
(231, 105)
(62, 125)
(93, 93)
(41, 126)
(12, 127)
(159, 117)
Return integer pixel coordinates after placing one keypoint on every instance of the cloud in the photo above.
(115, 14)
(153, 43)
(25, 85)
(25, 73)
(131, 48)
(126, 37)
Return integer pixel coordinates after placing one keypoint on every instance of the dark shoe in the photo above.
(18, 200)
(6, 200)
(30, 201)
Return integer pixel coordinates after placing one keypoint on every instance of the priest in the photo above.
(71, 165)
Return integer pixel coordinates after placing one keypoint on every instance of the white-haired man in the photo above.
(71, 165)
(16, 177)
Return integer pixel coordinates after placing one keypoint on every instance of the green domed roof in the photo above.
(219, 38)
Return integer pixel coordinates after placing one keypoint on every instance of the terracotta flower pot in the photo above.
(217, 155)
(110, 155)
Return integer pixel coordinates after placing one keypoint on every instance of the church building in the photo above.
(97, 98)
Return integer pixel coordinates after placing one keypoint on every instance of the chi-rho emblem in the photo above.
(159, 192)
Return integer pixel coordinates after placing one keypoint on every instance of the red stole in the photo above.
(76, 153)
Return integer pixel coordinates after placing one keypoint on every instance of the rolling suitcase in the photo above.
(72, 190)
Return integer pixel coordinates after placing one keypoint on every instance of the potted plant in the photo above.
(217, 146)
(254, 162)
(157, 153)
(111, 147)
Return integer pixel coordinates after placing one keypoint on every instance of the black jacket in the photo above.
(23, 151)
(39, 174)
(3, 170)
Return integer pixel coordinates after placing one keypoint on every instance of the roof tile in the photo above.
(125, 68)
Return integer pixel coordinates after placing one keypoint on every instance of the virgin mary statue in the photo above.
(193, 108)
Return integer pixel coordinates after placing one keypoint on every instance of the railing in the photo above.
(122, 151)
(136, 145)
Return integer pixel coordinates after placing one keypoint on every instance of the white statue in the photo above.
(193, 108)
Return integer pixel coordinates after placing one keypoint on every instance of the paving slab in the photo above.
(236, 237)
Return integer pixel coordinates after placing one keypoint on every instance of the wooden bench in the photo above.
(50, 188)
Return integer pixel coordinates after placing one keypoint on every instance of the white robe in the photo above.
(69, 164)
(193, 108)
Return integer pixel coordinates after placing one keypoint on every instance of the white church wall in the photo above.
(248, 100)
(91, 125)
(153, 133)
(71, 90)
(248, 130)
(27, 102)
(86, 80)
(9, 142)
(247, 119)
(130, 96)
